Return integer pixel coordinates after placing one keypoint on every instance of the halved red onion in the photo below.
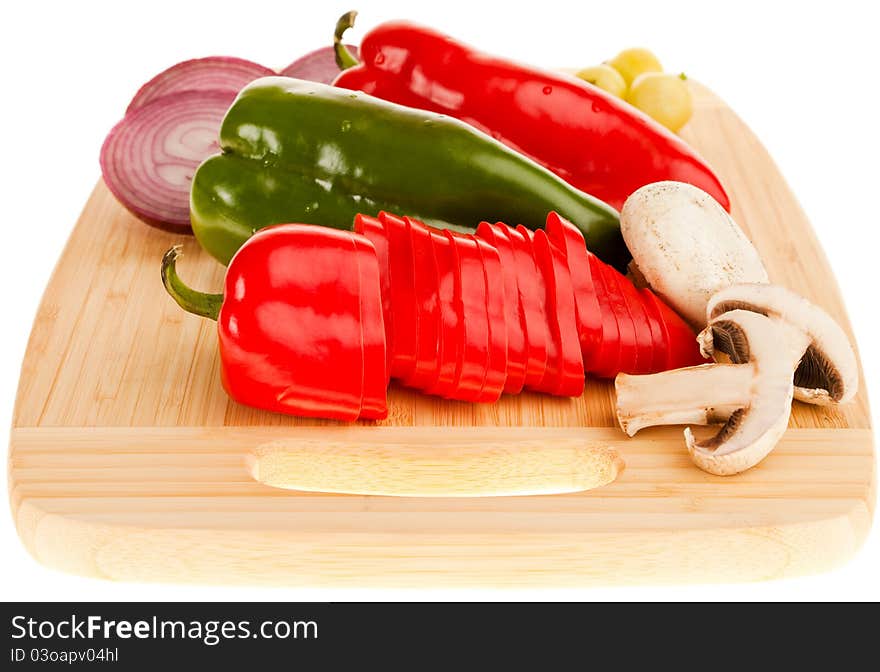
(317, 66)
(149, 158)
(213, 73)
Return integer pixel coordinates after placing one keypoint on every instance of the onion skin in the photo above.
(212, 73)
(316, 66)
(149, 157)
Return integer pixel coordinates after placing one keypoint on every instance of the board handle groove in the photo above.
(425, 469)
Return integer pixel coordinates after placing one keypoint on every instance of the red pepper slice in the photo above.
(569, 239)
(372, 229)
(566, 375)
(605, 362)
(641, 323)
(496, 365)
(450, 321)
(280, 349)
(514, 319)
(532, 300)
(682, 347)
(626, 329)
(427, 305)
(403, 303)
(375, 371)
(660, 356)
(470, 297)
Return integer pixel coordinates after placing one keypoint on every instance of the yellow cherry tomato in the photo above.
(631, 63)
(664, 97)
(605, 77)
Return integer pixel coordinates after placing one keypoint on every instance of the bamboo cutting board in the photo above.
(128, 461)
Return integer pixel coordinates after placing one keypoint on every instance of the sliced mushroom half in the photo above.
(828, 372)
(752, 396)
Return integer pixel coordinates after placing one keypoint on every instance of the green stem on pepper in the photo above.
(197, 303)
(344, 58)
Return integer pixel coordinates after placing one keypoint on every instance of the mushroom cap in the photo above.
(773, 348)
(686, 246)
(828, 372)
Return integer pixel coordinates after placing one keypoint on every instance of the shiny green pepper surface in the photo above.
(297, 151)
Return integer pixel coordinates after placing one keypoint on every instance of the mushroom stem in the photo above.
(696, 395)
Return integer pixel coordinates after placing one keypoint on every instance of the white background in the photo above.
(804, 75)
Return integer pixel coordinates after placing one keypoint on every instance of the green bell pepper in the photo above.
(297, 151)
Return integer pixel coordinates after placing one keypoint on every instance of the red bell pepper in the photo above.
(516, 340)
(371, 228)
(470, 299)
(496, 360)
(681, 348)
(302, 331)
(294, 332)
(605, 360)
(565, 376)
(532, 301)
(426, 280)
(403, 301)
(375, 366)
(450, 339)
(566, 236)
(588, 137)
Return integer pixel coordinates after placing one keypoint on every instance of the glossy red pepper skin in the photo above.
(402, 289)
(532, 302)
(514, 319)
(591, 139)
(470, 300)
(566, 375)
(496, 314)
(565, 236)
(289, 327)
(371, 228)
(450, 345)
(427, 306)
(374, 402)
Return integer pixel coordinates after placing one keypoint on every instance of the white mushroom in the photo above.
(781, 346)
(686, 247)
(751, 396)
(828, 372)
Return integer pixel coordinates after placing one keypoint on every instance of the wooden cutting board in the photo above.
(129, 462)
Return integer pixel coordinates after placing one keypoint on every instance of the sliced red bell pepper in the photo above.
(375, 371)
(403, 301)
(625, 328)
(569, 239)
(532, 301)
(641, 323)
(605, 361)
(516, 339)
(565, 376)
(682, 347)
(470, 297)
(372, 229)
(496, 363)
(427, 305)
(280, 348)
(450, 321)
(660, 356)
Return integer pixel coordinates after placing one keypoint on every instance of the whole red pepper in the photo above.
(588, 137)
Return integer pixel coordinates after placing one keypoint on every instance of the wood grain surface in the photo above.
(128, 461)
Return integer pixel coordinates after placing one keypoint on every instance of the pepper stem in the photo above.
(197, 303)
(344, 58)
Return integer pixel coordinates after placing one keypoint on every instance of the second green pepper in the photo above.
(297, 151)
